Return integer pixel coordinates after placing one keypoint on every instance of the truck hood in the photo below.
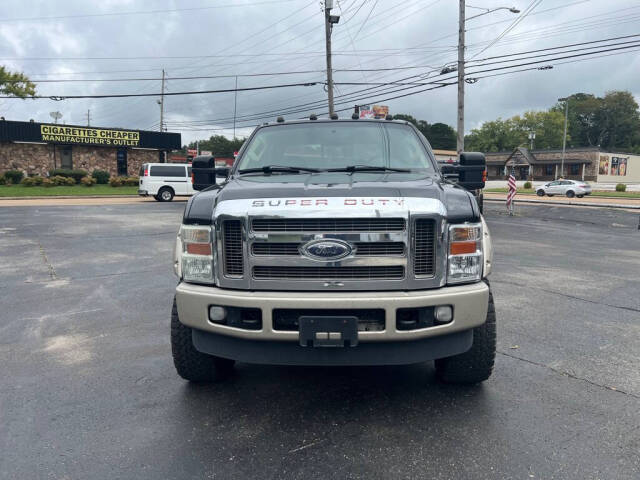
(371, 191)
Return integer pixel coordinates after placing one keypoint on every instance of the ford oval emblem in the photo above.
(326, 249)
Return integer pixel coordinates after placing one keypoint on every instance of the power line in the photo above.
(197, 92)
(140, 12)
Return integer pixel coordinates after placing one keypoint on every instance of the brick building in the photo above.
(36, 148)
(579, 164)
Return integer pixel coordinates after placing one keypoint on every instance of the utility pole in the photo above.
(329, 20)
(161, 102)
(564, 138)
(460, 124)
(235, 105)
(88, 118)
(461, 46)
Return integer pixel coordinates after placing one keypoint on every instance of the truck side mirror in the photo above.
(472, 170)
(223, 172)
(203, 172)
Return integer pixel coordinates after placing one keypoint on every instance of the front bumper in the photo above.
(469, 304)
(388, 347)
(143, 193)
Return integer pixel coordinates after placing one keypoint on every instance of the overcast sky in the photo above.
(116, 39)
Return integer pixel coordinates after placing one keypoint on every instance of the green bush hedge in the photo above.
(101, 176)
(115, 181)
(32, 181)
(13, 176)
(527, 185)
(59, 180)
(77, 175)
(621, 187)
(88, 181)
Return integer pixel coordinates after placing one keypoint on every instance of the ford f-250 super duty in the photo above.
(334, 242)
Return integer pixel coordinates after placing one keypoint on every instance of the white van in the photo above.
(165, 180)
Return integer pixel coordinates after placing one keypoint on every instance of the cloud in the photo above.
(253, 39)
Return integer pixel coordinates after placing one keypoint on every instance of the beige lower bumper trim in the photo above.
(469, 308)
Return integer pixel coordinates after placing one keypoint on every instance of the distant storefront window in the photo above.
(618, 166)
(603, 168)
(575, 169)
(66, 160)
(121, 160)
(548, 169)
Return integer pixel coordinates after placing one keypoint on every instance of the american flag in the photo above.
(511, 183)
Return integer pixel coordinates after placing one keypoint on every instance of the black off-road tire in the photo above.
(191, 364)
(476, 364)
(166, 194)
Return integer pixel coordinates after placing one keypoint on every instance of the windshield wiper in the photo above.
(368, 168)
(268, 169)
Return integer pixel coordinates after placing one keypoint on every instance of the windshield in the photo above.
(337, 145)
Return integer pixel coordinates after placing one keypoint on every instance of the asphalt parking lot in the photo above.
(88, 388)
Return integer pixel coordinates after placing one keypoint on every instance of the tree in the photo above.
(219, 145)
(440, 135)
(443, 137)
(619, 119)
(15, 84)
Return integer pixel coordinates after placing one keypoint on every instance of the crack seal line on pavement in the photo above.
(52, 271)
(631, 309)
(567, 374)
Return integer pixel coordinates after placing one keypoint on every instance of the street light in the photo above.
(461, 26)
(489, 10)
(564, 138)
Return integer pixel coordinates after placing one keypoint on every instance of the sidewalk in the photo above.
(607, 187)
(63, 201)
(631, 203)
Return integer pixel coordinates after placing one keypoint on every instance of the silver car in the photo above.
(570, 188)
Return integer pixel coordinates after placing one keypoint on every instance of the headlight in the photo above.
(465, 253)
(197, 254)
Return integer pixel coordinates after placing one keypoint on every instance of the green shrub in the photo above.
(621, 187)
(527, 185)
(115, 181)
(130, 181)
(47, 182)
(77, 175)
(14, 176)
(101, 176)
(32, 181)
(2, 180)
(88, 181)
(59, 180)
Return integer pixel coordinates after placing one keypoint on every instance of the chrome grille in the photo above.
(327, 225)
(393, 272)
(233, 256)
(363, 249)
(424, 247)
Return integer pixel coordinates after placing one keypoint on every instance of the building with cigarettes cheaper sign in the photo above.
(37, 148)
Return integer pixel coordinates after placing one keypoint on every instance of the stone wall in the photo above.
(38, 159)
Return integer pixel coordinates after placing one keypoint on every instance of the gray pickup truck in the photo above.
(334, 242)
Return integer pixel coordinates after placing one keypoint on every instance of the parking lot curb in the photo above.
(565, 203)
(46, 197)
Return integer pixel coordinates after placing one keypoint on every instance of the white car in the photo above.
(570, 188)
(165, 180)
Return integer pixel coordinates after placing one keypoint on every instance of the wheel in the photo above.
(476, 364)
(571, 193)
(191, 364)
(165, 194)
(157, 197)
(579, 196)
(549, 195)
(540, 193)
